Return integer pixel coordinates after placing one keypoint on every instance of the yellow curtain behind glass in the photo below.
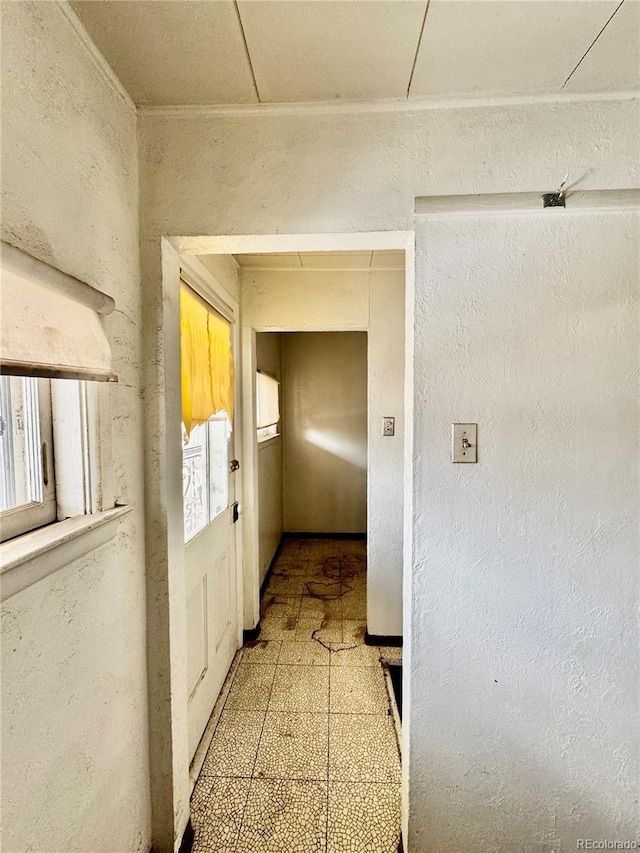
(206, 361)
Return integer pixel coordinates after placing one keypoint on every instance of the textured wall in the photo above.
(477, 566)
(325, 432)
(268, 358)
(75, 760)
(527, 573)
(386, 481)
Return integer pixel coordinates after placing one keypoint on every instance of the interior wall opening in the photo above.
(364, 301)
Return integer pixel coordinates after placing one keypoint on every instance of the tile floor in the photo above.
(305, 758)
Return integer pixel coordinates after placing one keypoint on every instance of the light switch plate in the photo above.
(464, 443)
(388, 426)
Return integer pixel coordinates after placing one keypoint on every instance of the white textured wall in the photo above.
(386, 475)
(325, 432)
(525, 655)
(506, 785)
(75, 762)
(270, 518)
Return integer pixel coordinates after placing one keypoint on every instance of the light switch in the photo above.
(388, 426)
(464, 446)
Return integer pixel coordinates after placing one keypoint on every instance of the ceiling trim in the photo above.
(101, 64)
(395, 105)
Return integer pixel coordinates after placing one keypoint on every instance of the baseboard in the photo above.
(315, 535)
(188, 837)
(274, 560)
(382, 640)
(252, 635)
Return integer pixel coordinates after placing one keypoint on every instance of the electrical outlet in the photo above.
(388, 426)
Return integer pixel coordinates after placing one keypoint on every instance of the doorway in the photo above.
(165, 657)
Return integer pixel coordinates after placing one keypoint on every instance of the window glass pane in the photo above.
(194, 482)
(267, 400)
(20, 443)
(219, 433)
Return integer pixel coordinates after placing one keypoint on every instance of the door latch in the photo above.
(235, 512)
(234, 465)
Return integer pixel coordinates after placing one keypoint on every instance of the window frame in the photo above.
(26, 517)
(267, 431)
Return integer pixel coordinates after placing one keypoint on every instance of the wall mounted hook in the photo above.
(556, 199)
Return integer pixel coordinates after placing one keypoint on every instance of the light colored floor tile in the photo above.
(323, 588)
(312, 608)
(293, 746)
(280, 605)
(358, 690)
(333, 608)
(235, 744)
(324, 548)
(294, 563)
(324, 564)
(293, 739)
(353, 631)
(354, 606)
(329, 632)
(294, 547)
(355, 656)
(363, 818)
(304, 653)
(284, 816)
(306, 628)
(290, 584)
(261, 651)
(355, 585)
(217, 807)
(279, 621)
(251, 687)
(392, 653)
(353, 548)
(300, 688)
(363, 748)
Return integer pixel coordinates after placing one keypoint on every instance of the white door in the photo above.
(210, 566)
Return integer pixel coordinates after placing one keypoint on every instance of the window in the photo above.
(27, 489)
(52, 341)
(267, 406)
(207, 387)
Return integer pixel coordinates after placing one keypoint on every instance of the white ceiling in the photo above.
(377, 259)
(182, 52)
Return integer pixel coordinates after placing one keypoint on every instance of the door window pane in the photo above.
(194, 482)
(219, 434)
(205, 474)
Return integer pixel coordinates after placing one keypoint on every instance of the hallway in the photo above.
(305, 755)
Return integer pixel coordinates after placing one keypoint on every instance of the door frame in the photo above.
(166, 602)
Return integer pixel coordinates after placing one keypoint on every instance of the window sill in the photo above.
(28, 559)
(269, 438)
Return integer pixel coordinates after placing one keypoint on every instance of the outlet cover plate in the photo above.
(388, 426)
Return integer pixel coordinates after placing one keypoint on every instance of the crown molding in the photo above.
(400, 105)
(98, 59)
